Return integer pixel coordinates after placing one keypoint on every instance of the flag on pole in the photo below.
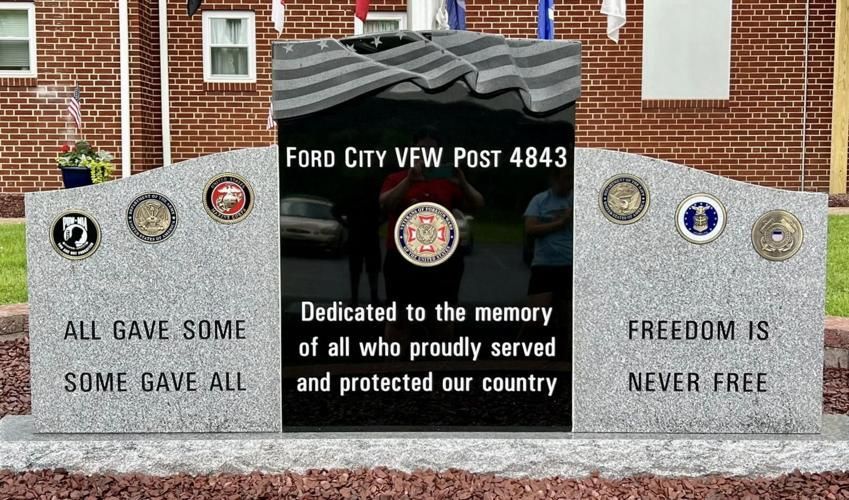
(615, 12)
(270, 123)
(456, 14)
(278, 13)
(441, 17)
(74, 107)
(192, 6)
(362, 10)
(545, 23)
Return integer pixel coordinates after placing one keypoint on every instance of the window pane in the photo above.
(380, 26)
(229, 61)
(14, 55)
(229, 32)
(14, 23)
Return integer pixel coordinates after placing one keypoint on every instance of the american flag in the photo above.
(270, 123)
(74, 107)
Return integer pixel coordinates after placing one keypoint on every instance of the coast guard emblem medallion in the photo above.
(624, 199)
(75, 235)
(152, 217)
(700, 218)
(228, 198)
(426, 234)
(777, 235)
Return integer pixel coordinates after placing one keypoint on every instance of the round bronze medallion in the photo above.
(624, 199)
(152, 217)
(228, 198)
(777, 235)
(75, 235)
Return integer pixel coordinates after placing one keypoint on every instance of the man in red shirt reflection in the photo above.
(407, 283)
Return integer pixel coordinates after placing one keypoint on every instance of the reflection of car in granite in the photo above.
(464, 227)
(307, 221)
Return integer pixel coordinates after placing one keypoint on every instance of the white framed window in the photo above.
(378, 22)
(229, 46)
(17, 39)
(686, 49)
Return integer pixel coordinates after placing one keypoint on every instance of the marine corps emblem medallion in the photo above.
(228, 198)
(426, 234)
(777, 235)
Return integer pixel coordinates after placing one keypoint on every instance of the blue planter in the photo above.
(76, 177)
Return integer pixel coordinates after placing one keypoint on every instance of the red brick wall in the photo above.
(755, 136)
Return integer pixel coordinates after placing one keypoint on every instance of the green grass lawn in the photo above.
(13, 264)
(837, 283)
(13, 276)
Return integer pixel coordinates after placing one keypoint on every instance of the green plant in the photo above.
(99, 163)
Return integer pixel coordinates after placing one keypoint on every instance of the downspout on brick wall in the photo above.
(124, 36)
(164, 85)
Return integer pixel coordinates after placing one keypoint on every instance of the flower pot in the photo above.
(75, 177)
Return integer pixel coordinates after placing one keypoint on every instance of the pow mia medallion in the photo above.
(700, 218)
(624, 199)
(152, 218)
(228, 198)
(75, 235)
(777, 235)
(426, 234)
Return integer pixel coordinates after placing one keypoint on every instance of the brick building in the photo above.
(745, 103)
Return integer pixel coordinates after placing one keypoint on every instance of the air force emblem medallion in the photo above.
(624, 199)
(777, 235)
(228, 198)
(426, 234)
(75, 235)
(151, 217)
(700, 218)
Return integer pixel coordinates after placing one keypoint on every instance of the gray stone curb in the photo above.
(513, 455)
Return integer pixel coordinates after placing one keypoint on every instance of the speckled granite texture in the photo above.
(204, 271)
(512, 455)
(647, 271)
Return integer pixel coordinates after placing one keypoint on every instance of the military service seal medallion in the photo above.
(228, 198)
(75, 235)
(426, 234)
(700, 218)
(152, 218)
(777, 235)
(624, 199)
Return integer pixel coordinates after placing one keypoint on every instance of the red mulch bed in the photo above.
(383, 483)
(11, 205)
(387, 484)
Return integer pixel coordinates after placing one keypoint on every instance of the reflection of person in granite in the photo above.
(548, 220)
(360, 213)
(407, 283)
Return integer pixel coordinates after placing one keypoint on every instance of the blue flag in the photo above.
(456, 14)
(545, 28)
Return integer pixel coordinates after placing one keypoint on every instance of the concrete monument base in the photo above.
(506, 454)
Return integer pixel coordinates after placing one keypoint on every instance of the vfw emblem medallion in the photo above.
(228, 198)
(700, 218)
(426, 234)
(75, 235)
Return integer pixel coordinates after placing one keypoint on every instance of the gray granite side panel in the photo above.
(647, 271)
(206, 270)
(511, 455)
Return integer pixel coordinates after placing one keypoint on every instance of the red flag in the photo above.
(362, 10)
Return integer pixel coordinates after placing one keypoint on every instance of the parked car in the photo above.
(464, 227)
(307, 221)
